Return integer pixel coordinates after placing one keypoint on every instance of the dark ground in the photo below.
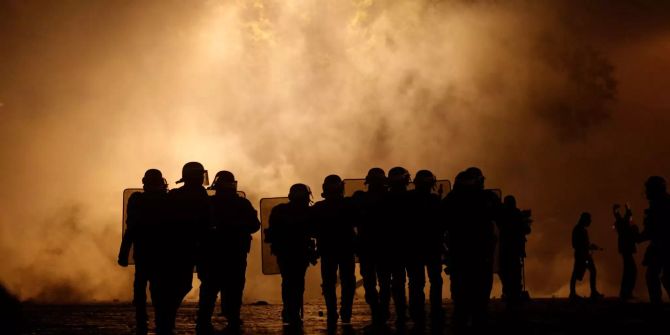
(541, 316)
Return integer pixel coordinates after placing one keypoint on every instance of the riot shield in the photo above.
(496, 253)
(126, 195)
(353, 185)
(269, 261)
(442, 187)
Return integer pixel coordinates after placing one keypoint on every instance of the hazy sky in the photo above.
(561, 103)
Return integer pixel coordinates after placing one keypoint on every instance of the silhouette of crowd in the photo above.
(404, 233)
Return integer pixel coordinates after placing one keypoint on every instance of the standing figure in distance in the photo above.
(394, 245)
(290, 234)
(425, 249)
(583, 258)
(335, 235)
(657, 232)
(627, 236)
(470, 213)
(513, 227)
(189, 219)
(369, 220)
(146, 216)
(223, 260)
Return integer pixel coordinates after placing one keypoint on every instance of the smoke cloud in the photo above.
(560, 103)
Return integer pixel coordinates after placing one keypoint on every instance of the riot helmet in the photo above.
(153, 180)
(332, 187)
(300, 194)
(224, 182)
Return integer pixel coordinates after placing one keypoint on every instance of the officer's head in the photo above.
(333, 187)
(225, 183)
(193, 173)
(153, 181)
(510, 201)
(585, 219)
(300, 194)
(376, 179)
(399, 178)
(476, 177)
(461, 181)
(655, 187)
(425, 181)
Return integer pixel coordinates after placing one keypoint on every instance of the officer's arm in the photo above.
(129, 235)
(252, 223)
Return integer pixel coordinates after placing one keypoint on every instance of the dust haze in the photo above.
(561, 103)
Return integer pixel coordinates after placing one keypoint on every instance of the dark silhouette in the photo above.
(657, 232)
(369, 220)
(627, 235)
(146, 216)
(290, 234)
(335, 236)
(11, 315)
(426, 247)
(223, 252)
(583, 257)
(188, 221)
(470, 212)
(393, 246)
(513, 226)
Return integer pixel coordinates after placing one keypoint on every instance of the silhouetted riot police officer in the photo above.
(627, 235)
(583, 258)
(470, 213)
(334, 232)
(426, 247)
(223, 260)
(189, 219)
(369, 206)
(290, 234)
(513, 227)
(146, 216)
(394, 244)
(657, 232)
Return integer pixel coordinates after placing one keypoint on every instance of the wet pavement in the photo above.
(543, 316)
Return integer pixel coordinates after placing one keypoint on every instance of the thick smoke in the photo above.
(560, 104)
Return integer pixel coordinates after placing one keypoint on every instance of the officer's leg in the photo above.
(369, 274)
(140, 298)
(483, 279)
(434, 268)
(384, 279)
(516, 278)
(627, 280)
(459, 297)
(665, 278)
(576, 274)
(653, 282)
(592, 277)
(235, 289)
(398, 283)
(328, 286)
(417, 283)
(300, 288)
(285, 273)
(348, 282)
(209, 288)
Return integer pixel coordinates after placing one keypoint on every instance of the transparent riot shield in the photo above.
(126, 195)
(442, 187)
(496, 253)
(353, 185)
(269, 261)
